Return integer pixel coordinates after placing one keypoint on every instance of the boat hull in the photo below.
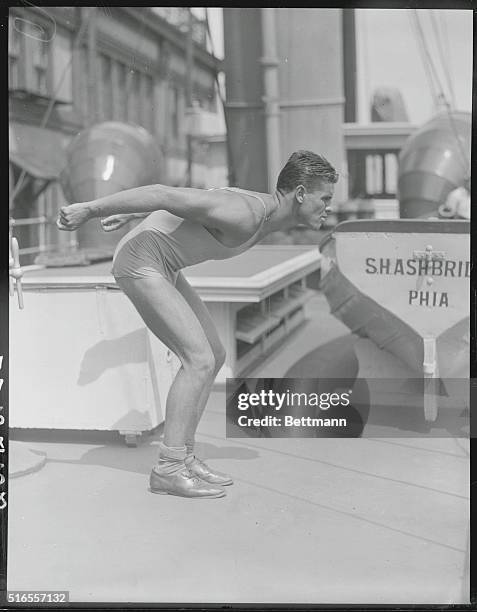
(383, 284)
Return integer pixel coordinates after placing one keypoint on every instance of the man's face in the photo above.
(315, 204)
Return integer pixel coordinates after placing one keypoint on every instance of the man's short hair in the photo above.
(305, 168)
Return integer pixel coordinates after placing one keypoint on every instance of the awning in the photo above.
(36, 168)
(38, 151)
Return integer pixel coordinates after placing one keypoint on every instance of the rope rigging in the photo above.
(432, 74)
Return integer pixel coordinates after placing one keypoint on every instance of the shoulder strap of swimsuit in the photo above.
(254, 195)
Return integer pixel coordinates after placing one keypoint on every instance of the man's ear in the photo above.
(300, 193)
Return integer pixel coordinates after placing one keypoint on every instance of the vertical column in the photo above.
(78, 75)
(116, 109)
(269, 61)
(349, 64)
(244, 90)
(189, 95)
(362, 67)
(92, 115)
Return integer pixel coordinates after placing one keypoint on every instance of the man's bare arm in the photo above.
(205, 207)
(182, 202)
(115, 222)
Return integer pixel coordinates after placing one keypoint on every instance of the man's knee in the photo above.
(219, 354)
(202, 364)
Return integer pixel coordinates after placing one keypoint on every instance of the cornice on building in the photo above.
(69, 18)
(172, 34)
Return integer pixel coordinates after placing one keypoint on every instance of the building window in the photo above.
(211, 103)
(372, 174)
(40, 66)
(133, 97)
(14, 51)
(175, 111)
(29, 56)
(390, 172)
(62, 65)
(106, 88)
(147, 102)
(122, 100)
(83, 101)
(179, 17)
(127, 94)
(206, 98)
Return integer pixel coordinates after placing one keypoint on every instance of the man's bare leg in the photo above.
(168, 315)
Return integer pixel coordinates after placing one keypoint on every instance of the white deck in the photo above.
(307, 520)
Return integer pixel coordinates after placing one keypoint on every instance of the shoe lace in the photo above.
(202, 465)
(190, 475)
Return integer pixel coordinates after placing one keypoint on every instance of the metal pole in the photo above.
(271, 96)
(189, 93)
(92, 115)
(230, 160)
(348, 29)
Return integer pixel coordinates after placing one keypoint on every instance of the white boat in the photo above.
(405, 284)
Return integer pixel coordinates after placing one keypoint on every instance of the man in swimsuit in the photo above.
(182, 227)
